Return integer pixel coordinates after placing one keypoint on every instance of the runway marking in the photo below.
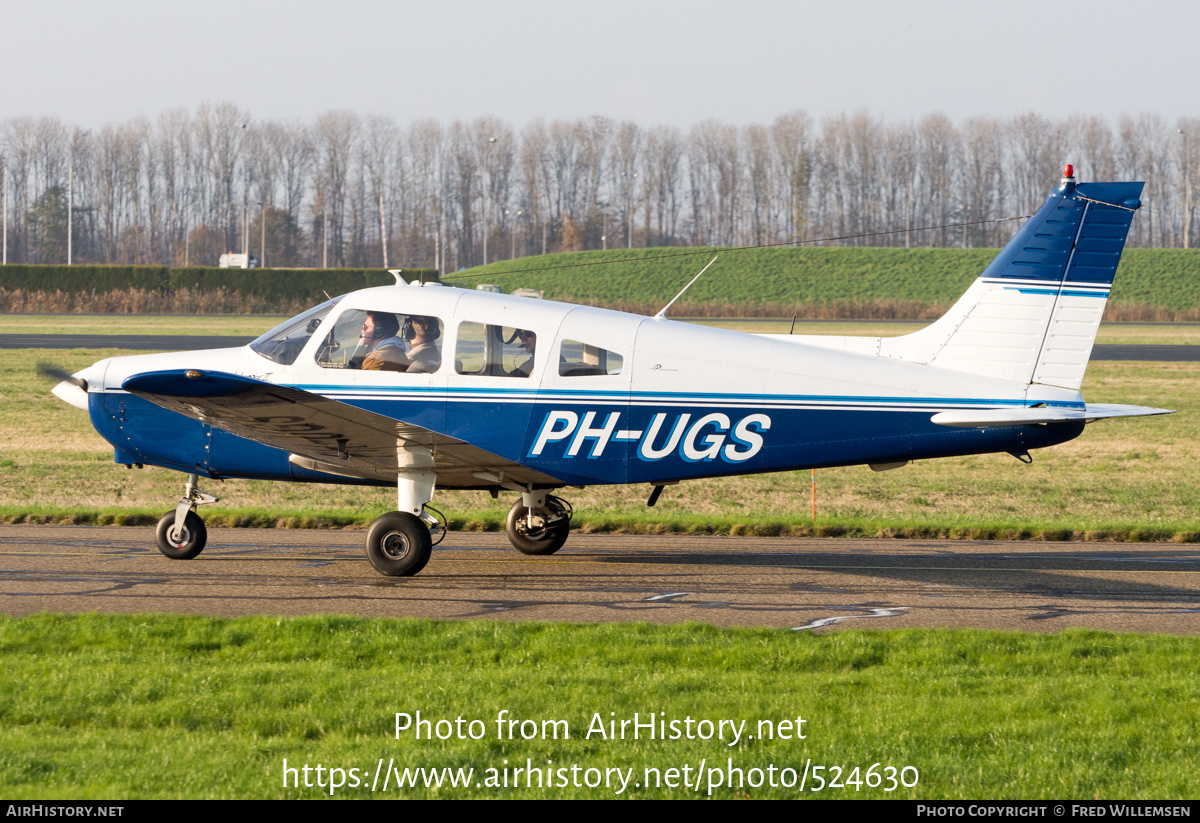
(670, 596)
(825, 621)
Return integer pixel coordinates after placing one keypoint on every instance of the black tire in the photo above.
(399, 544)
(190, 543)
(551, 527)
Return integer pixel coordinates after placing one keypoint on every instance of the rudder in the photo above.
(1033, 314)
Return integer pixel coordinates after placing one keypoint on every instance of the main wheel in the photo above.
(399, 544)
(548, 532)
(188, 543)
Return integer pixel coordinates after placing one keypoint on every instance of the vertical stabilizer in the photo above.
(1033, 314)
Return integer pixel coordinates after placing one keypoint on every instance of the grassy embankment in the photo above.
(1123, 479)
(978, 714)
(878, 283)
(861, 283)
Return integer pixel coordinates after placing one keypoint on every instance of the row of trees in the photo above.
(345, 190)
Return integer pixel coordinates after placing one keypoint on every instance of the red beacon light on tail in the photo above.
(1068, 172)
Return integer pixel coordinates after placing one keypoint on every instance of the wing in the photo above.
(323, 434)
(1028, 415)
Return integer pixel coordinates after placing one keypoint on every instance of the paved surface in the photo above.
(163, 342)
(779, 582)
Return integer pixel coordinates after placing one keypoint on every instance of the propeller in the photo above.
(53, 372)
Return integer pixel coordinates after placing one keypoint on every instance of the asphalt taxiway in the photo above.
(790, 584)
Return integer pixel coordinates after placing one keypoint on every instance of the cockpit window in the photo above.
(374, 340)
(283, 343)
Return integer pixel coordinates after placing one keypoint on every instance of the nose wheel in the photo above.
(181, 534)
(184, 542)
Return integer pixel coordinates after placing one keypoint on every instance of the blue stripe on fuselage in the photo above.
(710, 438)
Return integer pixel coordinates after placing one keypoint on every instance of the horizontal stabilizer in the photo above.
(1027, 416)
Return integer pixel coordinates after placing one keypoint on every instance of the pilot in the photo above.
(421, 331)
(528, 343)
(384, 349)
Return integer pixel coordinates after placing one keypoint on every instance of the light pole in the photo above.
(1187, 193)
(512, 255)
(383, 237)
(262, 249)
(486, 191)
(632, 181)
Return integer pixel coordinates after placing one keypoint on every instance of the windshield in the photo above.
(283, 343)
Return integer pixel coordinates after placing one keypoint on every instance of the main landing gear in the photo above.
(399, 543)
(539, 526)
(181, 534)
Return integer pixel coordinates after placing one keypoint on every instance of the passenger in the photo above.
(421, 332)
(384, 350)
(528, 343)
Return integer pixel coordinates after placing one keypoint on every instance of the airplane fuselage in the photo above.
(685, 401)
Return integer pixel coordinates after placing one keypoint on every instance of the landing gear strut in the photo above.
(539, 525)
(399, 543)
(181, 534)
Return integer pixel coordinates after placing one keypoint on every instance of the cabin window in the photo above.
(495, 351)
(578, 359)
(283, 343)
(383, 341)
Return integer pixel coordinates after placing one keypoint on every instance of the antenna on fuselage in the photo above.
(663, 312)
(396, 274)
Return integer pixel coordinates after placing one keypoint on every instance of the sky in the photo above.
(655, 62)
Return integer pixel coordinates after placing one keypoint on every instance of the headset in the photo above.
(385, 325)
(430, 326)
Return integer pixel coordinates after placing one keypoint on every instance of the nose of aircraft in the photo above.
(74, 389)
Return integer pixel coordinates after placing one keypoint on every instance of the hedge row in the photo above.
(276, 285)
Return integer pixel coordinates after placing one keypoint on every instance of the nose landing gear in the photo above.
(181, 534)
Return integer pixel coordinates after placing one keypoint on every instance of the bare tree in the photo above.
(334, 136)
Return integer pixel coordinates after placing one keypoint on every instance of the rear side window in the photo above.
(584, 360)
(494, 351)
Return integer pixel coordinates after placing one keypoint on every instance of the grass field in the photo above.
(124, 707)
(830, 282)
(1124, 479)
(827, 282)
(203, 324)
(1081, 715)
(253, 325)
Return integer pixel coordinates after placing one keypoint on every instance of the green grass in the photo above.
(1152, 284)
(254, 325)
(1131, 479)
(979, 714)
(751, 281)
(137, 324)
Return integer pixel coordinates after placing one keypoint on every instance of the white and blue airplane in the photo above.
(420, 386)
